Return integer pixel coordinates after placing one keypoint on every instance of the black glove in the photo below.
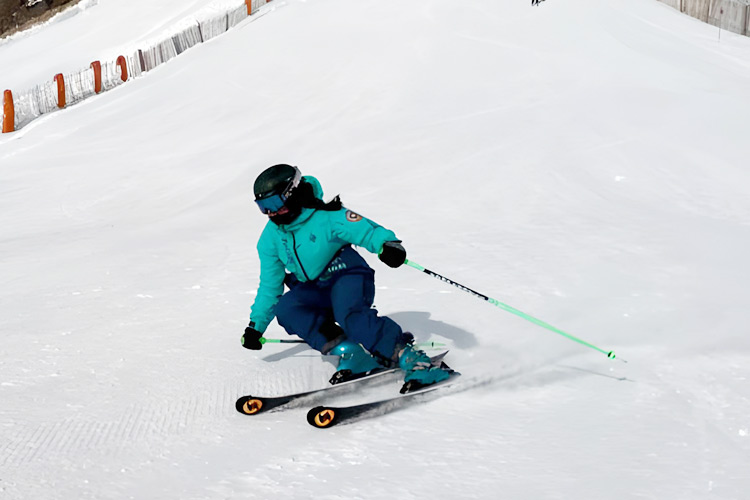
(251, 338)
(392, 254)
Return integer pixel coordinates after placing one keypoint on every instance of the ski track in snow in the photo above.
(144, 424)
(148, 426)
(75, 436)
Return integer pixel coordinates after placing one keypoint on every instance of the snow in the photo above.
(582, 161)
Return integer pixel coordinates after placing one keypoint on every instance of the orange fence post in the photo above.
(97, 67)
(60, 90)
(249, 4)
(9, 113)
(123, 65)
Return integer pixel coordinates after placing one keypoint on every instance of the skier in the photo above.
(331, 287)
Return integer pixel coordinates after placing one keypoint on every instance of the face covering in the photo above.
(294, 205)
(285, 218)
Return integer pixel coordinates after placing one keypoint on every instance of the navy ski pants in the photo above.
(345, 292)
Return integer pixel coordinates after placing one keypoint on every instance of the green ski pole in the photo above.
(422, 345)
(264, 340)
(513, 310)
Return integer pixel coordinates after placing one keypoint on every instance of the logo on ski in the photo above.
(324, 418)
(251, 406)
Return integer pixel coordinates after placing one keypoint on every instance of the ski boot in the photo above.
(420, 372)
(354, 362)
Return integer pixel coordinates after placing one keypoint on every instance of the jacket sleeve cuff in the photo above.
(258, 325)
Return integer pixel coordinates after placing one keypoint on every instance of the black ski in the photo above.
(324, 417)
(341, 384)
(252, 405)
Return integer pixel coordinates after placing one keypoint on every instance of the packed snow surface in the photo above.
(583, 161)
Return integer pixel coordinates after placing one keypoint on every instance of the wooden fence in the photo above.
(731, 15)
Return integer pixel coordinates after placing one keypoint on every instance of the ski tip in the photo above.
(322, 417)
(248, 405)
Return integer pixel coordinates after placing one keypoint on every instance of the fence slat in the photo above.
(730, 15)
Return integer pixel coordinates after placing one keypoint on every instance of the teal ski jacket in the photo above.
(305, 248)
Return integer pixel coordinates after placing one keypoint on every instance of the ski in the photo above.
(341, 383)
(323, 417)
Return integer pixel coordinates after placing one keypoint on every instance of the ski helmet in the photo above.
(274, 186)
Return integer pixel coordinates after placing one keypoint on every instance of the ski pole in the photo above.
(513, 310)
(264, 340)
(421, 345)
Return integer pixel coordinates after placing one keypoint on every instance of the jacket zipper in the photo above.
(294, 246)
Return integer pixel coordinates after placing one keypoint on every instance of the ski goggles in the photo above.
(274, 202)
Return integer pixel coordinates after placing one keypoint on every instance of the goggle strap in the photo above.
(293, 184)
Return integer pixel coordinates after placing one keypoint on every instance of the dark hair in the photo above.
(305, 197)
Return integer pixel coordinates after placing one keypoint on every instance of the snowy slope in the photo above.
(583, 161)
(92, 30)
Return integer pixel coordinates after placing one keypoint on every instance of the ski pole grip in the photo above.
(414, 265)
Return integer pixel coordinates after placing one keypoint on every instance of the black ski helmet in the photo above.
(279, 179)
